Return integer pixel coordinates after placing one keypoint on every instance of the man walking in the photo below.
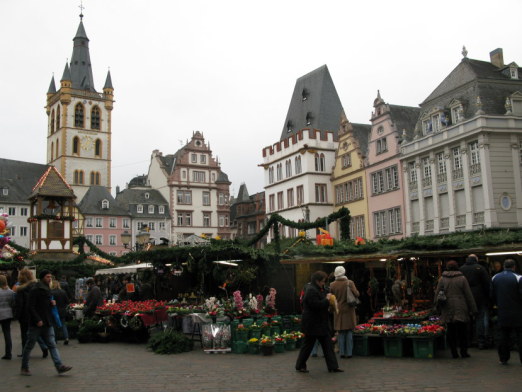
(94, 298)
(506, 291)
(40, 323)
(479, 282)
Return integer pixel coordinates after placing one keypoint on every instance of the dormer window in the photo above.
(147, 195)
(105, 204)
(289, 126)
(309, 118)
(151, 209)
(457, 114)
(435, 121)
(5, 191)
(513, 71)
(161, 209)
(139, 209)
(305, 94)
(516, 103)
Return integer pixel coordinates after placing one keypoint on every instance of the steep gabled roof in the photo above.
(361, 133)
(52, 184)
(314, 98)
(91, 203)
(129, 198)
(19, 178)
(404, 118)
(242, 195)
(81, 70)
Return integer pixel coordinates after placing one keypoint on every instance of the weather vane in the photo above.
(81, 7)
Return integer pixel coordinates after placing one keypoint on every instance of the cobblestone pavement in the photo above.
(130, 367)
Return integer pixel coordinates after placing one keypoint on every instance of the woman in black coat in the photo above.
(315, 324)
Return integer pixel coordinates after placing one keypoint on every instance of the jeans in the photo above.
(482, 325)
(6, 330)
(65, 331)
(47, 334)
(345, 339)
(24, 326)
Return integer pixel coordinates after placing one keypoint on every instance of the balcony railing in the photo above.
(461, 220)
(444, 223)
(442, 178)
(428, 225)
(415, 226)
(458, 173)
(412, 185)
(426, 182)
(478, 217)
(474, 169)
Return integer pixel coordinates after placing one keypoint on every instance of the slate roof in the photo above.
(404, 117)
(19, 178)
(108, 81)
(91, 203)
(242, 195)
(222, 178)
(51, 183)
(138, 181)
(314, 95)
(129, 199)
(81, 70)
(361, 133)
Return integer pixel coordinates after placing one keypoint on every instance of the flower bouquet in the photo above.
(432, 330)
(279, 344)
(289, 340)
(363, 329)
(266, 345)
(275, 326)
(298, 336)
(253, 346)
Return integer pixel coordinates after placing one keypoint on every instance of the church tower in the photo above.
(79, 122)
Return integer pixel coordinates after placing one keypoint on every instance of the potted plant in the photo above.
(266, 345)
(289, 341)
(242, 332)
(255, 331)
(298, 335)
(279, 344)
(253, 346)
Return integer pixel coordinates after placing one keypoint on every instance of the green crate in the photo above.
(392, 347)
(423, 347)
(361, 345)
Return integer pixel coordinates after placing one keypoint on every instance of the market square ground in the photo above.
(130, 367)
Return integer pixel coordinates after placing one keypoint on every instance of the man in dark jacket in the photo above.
(506, 292)
(478, 279)
(94, 298)
(41, 323)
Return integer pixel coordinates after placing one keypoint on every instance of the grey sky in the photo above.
(228, 68)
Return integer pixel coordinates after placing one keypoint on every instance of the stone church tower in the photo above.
(79, 122)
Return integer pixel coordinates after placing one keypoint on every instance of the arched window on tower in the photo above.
(58, 118)
(95, 118)
(98, 148)
(52, 122)
(57, 149)
(82, 180)
(78, 177)
(95, 178)
(76, 145)
(52, 151)
(78, 116)
(319, 162)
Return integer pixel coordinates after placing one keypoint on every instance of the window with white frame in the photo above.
(23, 231)
(320, 193)
(381, 145)
(184, 174)
(391, 175)
(387, 222)
(221, 220)
(441, 163)
(290, 197)
(203, 159)
(271, 175)
(12, 211)
(206, 219)
(288, 167)
(112, 240)
(300, 195)
(98, 239)
(194, 158)
(112, 222)
(161, 226)
(474, 154)
(5, 191)
(126, 223)
(151, 209)
(412, 172)
(357, 227)
(184, 218)
(12, 231)
(88, 237)
(140, 225)
(426, 168)
(88, 222)
(457, 113)
(151, 226)
(184, 197)
(297, 165)
(279, 171)
(161, 209)
(457, 158)
(346, 160)
(139, 209)
(206, 198)
(271, 203)
(221, 199)
(385, 180)
(280, 203)
(319, 162)
(99, 222)
(24, 211)
(198, 176)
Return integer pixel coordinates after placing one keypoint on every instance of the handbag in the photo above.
(56, 315)
(351, 299)
(441, 295)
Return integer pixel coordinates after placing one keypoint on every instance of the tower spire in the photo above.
(81, 7)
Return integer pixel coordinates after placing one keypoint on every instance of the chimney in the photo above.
(497, 58)
(117, 189)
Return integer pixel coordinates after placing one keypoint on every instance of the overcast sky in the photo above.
(228, 68)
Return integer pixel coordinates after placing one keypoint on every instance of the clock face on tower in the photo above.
(87, 143)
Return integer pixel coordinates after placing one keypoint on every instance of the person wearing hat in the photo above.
(41, 323)
(94, 298)
(344, 320)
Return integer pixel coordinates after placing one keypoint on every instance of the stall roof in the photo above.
(126, 269)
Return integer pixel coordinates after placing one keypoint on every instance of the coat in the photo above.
(62, 300)
(478, 279)
(39, 305)
(21, 301)
(7, 302)
(93, 300)
(346, 319)
(460, 302)
(506, 293)
(314, 321)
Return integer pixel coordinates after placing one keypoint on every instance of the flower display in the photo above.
(392, 330)
(279, 339)
(253, 341)
(242, 327)
(255, 327)
(266, 341)
(131, 308)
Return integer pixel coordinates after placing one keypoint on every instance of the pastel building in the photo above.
(349, 176)
(463, 164)
(384, 174)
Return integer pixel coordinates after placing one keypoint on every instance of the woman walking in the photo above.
(456, 310)
(62, 300)
(6, 315)
(345, 320)
(315, 324)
